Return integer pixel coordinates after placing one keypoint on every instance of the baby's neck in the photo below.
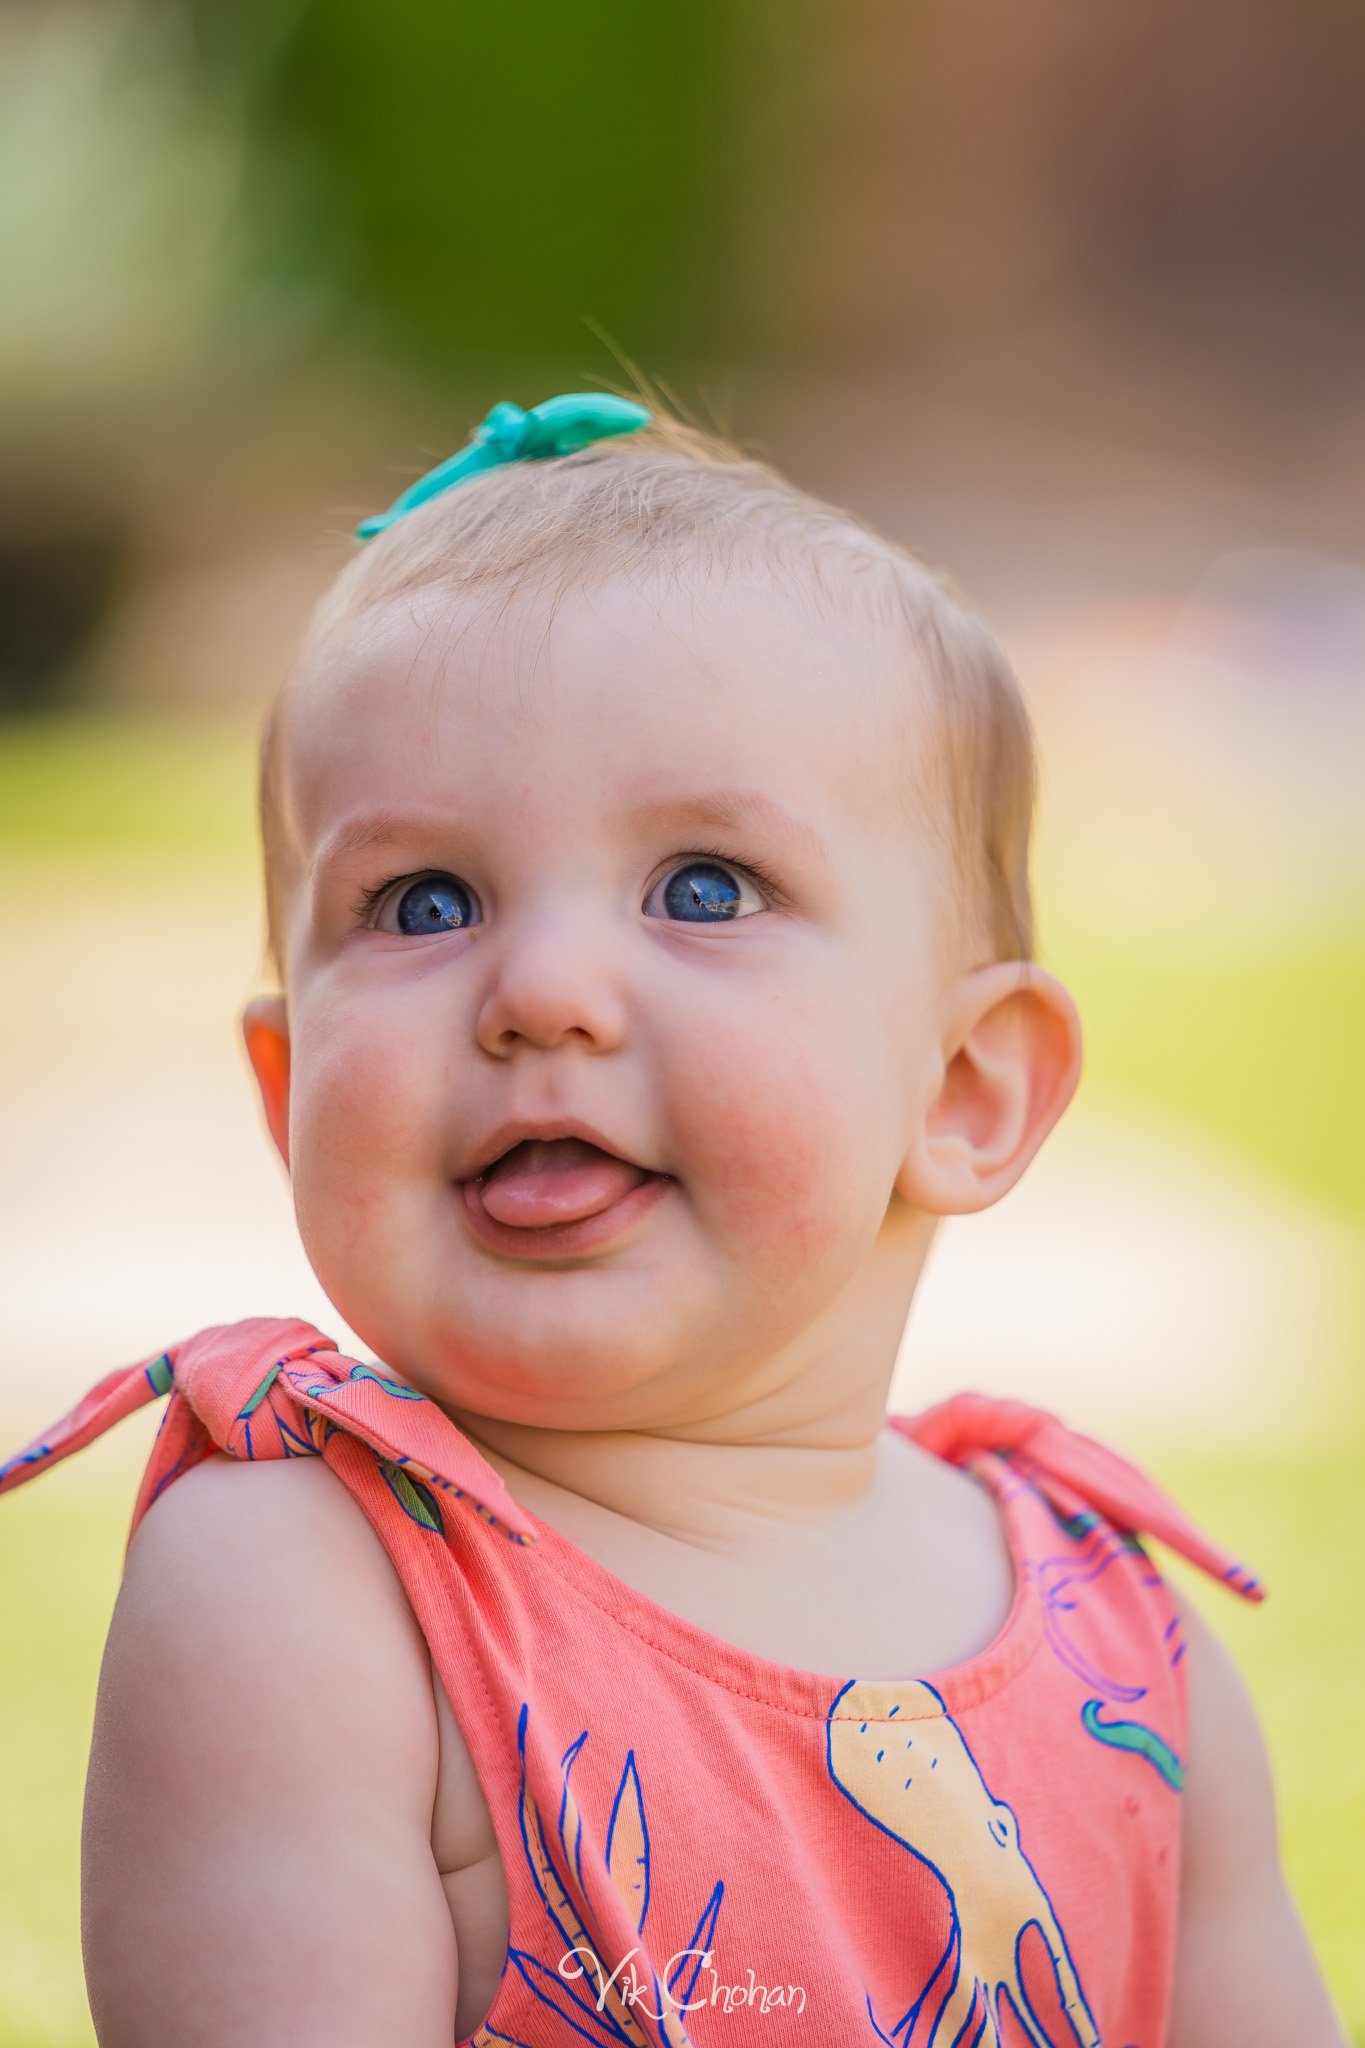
(716, 1492)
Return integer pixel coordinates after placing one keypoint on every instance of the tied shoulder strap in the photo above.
(271, 1387)
(1074, 1472)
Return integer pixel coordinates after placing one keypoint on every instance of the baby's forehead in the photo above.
(606, 687)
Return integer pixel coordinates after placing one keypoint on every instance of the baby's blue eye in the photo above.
(437, 904)
(702, 892)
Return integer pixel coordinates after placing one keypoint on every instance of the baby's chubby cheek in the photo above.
(362, 1122)
(781, 1140)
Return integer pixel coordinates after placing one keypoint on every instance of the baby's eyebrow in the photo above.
(365, 831)
(730, 810)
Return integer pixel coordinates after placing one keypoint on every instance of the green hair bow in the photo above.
(557, 426)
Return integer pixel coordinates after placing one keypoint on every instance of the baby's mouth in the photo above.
(542, 1181)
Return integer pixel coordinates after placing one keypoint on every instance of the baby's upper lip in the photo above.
(505, 1135)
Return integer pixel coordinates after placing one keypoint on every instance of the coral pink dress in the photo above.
(702, 1846)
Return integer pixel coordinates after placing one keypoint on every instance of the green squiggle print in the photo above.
(256, 1399)
(417, 1501)
(363, 1372)
(1136, 1736)
(381, 1380)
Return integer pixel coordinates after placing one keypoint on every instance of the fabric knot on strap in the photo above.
(268, 1387)
(1075, 1472)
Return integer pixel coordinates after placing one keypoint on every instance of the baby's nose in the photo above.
(550, 980)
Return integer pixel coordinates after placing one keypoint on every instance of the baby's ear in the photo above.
(1010, 1061)
(265, 1028)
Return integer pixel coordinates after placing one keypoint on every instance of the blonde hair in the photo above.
(673, 494)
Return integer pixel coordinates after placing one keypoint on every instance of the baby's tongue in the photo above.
(555, 1180)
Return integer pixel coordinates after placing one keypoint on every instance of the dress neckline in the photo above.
(784, 1686)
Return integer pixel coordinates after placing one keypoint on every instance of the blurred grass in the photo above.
(131, 784)
(62, 1546)
(1259, 1055)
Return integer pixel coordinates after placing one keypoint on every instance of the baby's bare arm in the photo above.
(257, 1864)
(1244, 1969)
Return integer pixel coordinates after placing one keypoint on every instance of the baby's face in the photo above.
(590, 843)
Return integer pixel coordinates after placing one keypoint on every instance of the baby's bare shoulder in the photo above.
(275, 1564)
(229, 1516)
(264, 1764)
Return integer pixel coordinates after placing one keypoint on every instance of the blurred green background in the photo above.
(1073, 302)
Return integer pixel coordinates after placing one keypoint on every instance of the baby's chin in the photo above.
(553, 1369)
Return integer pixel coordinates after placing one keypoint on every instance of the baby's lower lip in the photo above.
(562, 1240)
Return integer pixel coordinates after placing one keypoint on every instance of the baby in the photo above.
(646, 856)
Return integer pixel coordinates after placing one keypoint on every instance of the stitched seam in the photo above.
(760, 1699)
